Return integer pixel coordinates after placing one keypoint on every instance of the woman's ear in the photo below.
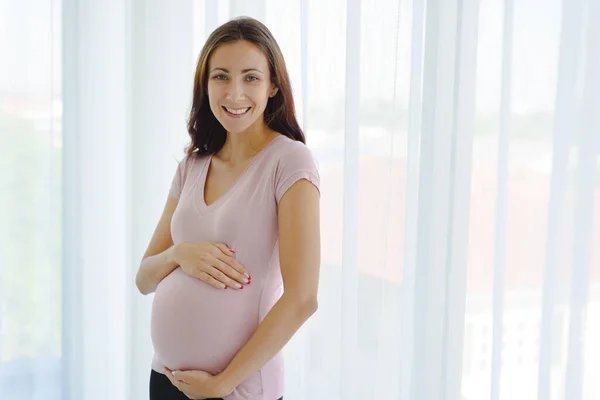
(274, 90)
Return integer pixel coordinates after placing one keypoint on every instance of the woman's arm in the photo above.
(300, 258)
(210, 262)
(158, 261)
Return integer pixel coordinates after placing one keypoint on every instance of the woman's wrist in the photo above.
(225, 383)
(172, 254)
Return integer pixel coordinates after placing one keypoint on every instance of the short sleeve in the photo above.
(179, 179)
(297, 164)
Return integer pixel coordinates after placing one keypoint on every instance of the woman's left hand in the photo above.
(197, 384)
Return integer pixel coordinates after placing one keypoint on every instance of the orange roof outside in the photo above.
(382, 256)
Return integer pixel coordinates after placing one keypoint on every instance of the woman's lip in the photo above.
(231, 115)
(236, 108)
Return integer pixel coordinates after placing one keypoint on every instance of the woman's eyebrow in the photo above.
(251, 69)
(243, 71)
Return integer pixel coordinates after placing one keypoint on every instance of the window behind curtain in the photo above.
(30, 200)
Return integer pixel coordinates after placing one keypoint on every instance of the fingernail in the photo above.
(242, 287)
(231, 250)
(238, 286)
(225, 287)
(246, 275)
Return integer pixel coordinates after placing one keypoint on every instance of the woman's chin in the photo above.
(237, 130)
(234, 126)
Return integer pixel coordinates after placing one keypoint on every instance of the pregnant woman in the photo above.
(234, 260)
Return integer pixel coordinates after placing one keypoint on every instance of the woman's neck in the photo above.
(243, 146)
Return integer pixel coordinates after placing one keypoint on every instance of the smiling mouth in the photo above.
(236, 112)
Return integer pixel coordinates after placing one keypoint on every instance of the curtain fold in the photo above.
(458, 143)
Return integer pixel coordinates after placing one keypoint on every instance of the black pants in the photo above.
(161, 388)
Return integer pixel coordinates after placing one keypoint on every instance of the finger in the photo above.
(227, 257)
(184, 386)
(176, 379)
(180, 376)
(192, 397)
(224, 248)
(221, 277)
(230, 267)
(185, 389)
(220, 269)
(203, 276)
(169, 375)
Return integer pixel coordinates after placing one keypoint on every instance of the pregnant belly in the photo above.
(196, 326)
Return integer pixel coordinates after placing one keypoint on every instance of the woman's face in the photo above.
(239, 85)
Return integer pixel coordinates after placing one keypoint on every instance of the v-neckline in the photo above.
(235, 184)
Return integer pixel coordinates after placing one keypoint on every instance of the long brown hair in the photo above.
(206, 132)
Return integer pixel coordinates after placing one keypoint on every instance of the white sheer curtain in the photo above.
(30, 199)
(459, 148)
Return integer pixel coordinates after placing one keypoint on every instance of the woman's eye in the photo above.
(252, 78)
(220, 77)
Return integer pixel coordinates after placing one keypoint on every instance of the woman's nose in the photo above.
(236, 91)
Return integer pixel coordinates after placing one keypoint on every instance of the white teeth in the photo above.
(237, 112)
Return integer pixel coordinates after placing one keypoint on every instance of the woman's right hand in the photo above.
(212, 263)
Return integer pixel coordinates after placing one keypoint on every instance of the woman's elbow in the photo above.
(310, 306)
(300, 305)
(141, 285)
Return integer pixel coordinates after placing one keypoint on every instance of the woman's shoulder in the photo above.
(195, 158)
(186, 167)
(290, 155)
(294, 160)
(190, 162)
(288, 148)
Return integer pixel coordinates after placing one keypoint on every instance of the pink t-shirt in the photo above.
(197, 326)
